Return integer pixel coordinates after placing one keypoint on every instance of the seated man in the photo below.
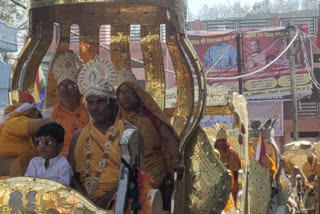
(19, 124)
(95, 154)
(229, 157)
(70, 112)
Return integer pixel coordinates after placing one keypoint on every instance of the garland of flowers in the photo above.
(91, 183)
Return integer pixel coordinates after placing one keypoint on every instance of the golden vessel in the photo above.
(205, 187)
(90, 15)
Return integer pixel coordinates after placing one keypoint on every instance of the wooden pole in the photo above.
(292, 31)
(239, 59)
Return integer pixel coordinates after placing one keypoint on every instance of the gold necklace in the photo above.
(91, 183)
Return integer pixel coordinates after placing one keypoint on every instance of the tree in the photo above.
(240, 10)
(224, 11)
(218, 11)
(15, 14)
(204, 12)
(309, 4)
(262, 7)
(284, 6)
(190, 16)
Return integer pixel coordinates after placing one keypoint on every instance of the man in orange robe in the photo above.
(229, 157)
(70, 112)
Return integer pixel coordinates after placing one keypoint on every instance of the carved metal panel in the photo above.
(207, 182)
(259, 188)
(21, 195)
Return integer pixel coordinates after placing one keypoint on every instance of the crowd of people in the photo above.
(77, 142)
(298, 190)
(294, 189)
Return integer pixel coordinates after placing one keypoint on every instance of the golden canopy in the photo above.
(90, 15)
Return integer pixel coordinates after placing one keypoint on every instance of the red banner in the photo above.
(218, 55)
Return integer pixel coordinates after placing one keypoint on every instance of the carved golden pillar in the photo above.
(62, 46)
(120, 45)
(153, 62)
(20, 61)
(185, 89)
(149, 14)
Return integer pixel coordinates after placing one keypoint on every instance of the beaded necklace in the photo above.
(91, 183)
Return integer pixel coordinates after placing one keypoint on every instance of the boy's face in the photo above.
(48, 147)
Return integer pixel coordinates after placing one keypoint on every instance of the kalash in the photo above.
(206, 184)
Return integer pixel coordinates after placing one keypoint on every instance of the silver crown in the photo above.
(124, 74)
(97, 78)
(67, 66)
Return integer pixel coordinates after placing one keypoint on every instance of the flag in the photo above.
(261, 149)
(39, 87)
(318, 35)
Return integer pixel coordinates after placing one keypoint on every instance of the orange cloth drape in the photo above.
(109, 178)
(156, 157)
(15, 136)
(16, 141)
(70, 121)
(232, 162)
(230, 202)
(311, 169)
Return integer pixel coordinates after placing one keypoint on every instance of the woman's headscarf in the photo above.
(148, 102)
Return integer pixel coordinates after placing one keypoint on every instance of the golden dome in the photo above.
(160, 3)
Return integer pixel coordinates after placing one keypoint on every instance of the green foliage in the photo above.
(310, 4)
(241, 8)
(12, 13)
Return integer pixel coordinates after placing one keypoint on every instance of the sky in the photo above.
(195, 5)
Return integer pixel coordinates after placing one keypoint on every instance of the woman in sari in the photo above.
(161, 148)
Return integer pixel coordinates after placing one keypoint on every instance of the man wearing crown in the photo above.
(70, 112)
(229, 158)
(95, 154)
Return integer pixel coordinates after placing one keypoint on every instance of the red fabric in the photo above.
(25, 97)
(145, 186)
(318, 36)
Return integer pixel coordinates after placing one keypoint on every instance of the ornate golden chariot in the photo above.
(205, 187)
